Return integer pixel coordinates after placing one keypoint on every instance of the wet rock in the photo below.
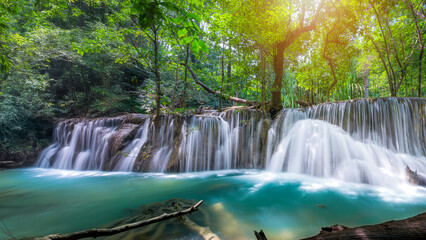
(334, 228)
(135, 119)
(9, 164)
(124, 133)
(414, 177)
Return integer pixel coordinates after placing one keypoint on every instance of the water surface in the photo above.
(37, 202)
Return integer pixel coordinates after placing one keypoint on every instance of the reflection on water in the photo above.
(36, 202)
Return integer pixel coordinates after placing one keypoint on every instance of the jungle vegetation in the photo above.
(75, 58)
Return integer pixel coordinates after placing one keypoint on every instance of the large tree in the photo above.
(276, 25)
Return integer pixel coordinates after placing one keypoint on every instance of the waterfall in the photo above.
(228, 140)
(360, 141)
(127, 157)
(80, 145)
(367, 141)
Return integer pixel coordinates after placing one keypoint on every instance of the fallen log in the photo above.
(102, 232)
(410, 228)
(218, 93)
(205, 232)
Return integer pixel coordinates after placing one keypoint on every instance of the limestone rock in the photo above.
(415, 178)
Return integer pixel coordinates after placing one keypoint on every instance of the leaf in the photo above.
(182, 32)
(193, 16)
(186, 40)
(170, 6)
(204, 47)
(195, 47)
(177, 20)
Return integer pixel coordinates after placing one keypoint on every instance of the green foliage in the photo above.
(61, 58)
(110, 101)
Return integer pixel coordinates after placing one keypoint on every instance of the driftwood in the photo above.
(410, 228)
(260, 235)
(205, 232)
(218, 93)
(93, 233)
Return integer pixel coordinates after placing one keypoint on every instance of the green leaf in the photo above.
(170, 6)
(177, 20)
(182, 32)
(186, 40)
(203, 46)
(195, 47)
(193, 16)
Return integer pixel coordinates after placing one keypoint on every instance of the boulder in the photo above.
(123, 134)
(415, 178)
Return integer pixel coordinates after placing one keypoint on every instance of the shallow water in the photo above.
(37, 202)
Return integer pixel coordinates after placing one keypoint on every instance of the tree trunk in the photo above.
(329, 60)
(185, 84)
(72, 91)
(104, 80)
(157, 72)
(390, 73)
(276, 104)
(366, 78)
(330, 63)
(263, 78)
(223, 76)
(419, 36)
(175, 87)
(291, 36)
(420, 72)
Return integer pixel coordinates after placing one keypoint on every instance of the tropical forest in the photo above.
(212, 119)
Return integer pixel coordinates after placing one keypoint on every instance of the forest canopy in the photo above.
(73, 58)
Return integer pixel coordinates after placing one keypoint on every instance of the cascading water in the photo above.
(369, 141)
(360, 141)
(80, 145)
(226, 141)
(126, 159)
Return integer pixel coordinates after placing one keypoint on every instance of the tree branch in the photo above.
(102, 232)
(293, 35)
(218, 93)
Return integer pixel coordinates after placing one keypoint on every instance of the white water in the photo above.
(82, 145)
(361, 141)
(129, 154)
(318, 148)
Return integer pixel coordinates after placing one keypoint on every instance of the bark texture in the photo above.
(410, 228)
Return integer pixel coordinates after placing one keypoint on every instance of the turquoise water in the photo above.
(37, 202)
